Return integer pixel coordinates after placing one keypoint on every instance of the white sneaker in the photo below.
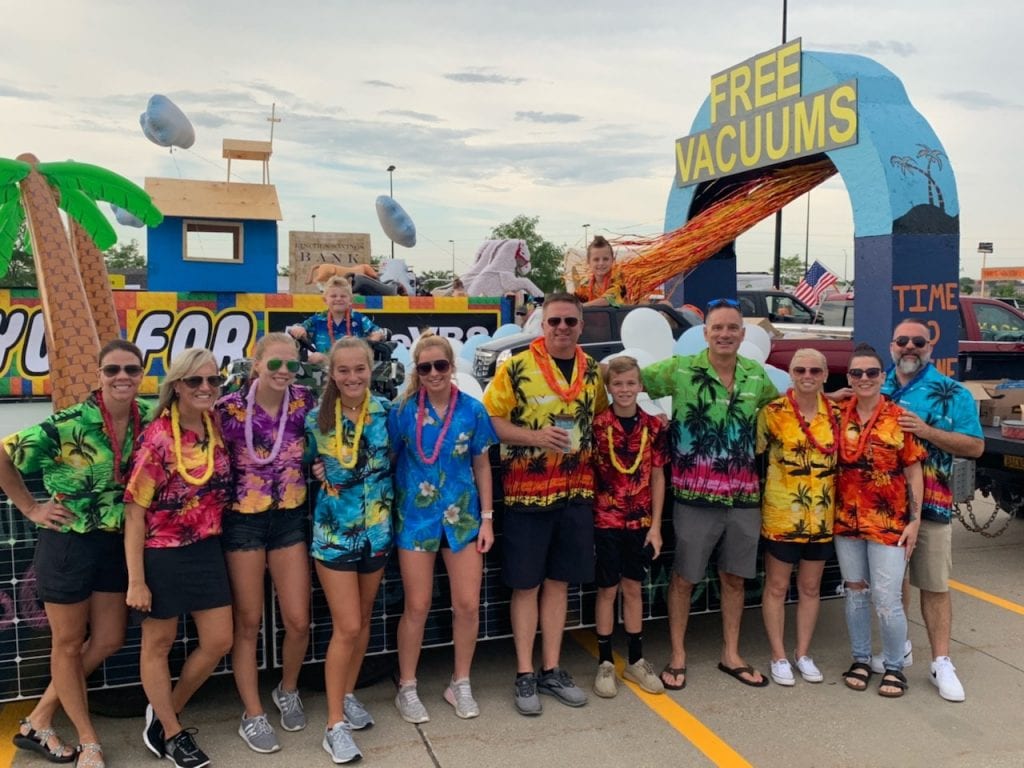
(809, 670)
(944, 678)
(605, 684)
(782, 673)
(409, 705)
(878, 662)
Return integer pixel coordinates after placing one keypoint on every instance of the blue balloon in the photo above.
(396, 222)
(508, 329)
(402, 355)
(691, 342)
(165, 124)
(125, 218)
(470, 345)
(779, 378)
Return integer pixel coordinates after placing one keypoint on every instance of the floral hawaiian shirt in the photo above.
(613, 290)
(316, 327)
(72, 451)
(281, 484)
(353, 506)
(623, 500)
(442, 495)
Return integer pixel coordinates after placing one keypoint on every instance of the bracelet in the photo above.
(487, 514)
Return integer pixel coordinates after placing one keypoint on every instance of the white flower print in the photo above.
(451, 515)
(427, 490)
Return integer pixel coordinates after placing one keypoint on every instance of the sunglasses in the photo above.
(194, 382)
(441, 366)
(918, 341)
(864, 373)
(716, 303)
(554, 322)
(112, 370)
(799, 370)
(274, 364)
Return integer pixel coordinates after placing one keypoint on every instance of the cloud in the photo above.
(382, 84)
(480, 76)
(11, 92)
(548, 117)
(978, 100)
(900, 48)
(423, 116)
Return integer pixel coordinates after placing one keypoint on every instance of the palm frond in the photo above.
(82, 209)
(100, 184)
(11, 217)
(12, 171)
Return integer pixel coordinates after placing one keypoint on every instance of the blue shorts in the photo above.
(275, 529)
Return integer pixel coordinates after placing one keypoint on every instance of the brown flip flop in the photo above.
(674, 672)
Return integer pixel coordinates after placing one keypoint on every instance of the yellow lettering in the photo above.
(704, 159)
(739, 84)
(842, 107)
(788, 70)
(683, 162)
(764, 75)
(780, 151)
(717, 94)
(809, 130)
(750, 159)
(725, 164)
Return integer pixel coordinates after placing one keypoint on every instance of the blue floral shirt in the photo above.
(353, 506)
(316, 327)
(443, 495)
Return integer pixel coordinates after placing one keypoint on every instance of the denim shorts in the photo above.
(71, 566)
(276, 529)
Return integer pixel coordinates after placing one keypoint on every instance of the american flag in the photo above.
(814, 284)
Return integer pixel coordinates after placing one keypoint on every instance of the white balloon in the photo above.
(779, 378)
(507, 329)
(751, 350)
(470, 345)
(165, 124)
(462, 365)
(759, 337)
(456, 345)
(642, 356)
(469, 385)
(660, 407)
(691, 342)
(647, 329)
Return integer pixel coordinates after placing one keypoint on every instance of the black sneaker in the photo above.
(183, 751)
(153, 733)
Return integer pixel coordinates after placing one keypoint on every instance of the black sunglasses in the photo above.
(441, 366)
(864, 373)
(570, 322)
(799, 370)
(194, 382)
(274, 364)
(112, 370)
(918, 341)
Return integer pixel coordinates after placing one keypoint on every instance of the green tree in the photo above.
(966, 285)
(547, 260)
(792, 270)
(21, 272)
(1004, 289)
(127, 256)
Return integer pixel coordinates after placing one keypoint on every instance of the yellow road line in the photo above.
(988, 598)
(10, 716)
(698, 734)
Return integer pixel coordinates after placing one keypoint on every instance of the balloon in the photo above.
(647, 329)
(779, 378)
(751, 350)
(469, 345)
(166, 125)
(402, 354)
(660, 407)
(508, 329)
(469, 385)
(759, 337)
(462, 365)
(691, 342)
(125, 218)
(396, 222)
(456, 345)
(642, 356)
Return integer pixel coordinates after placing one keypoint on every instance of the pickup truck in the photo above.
(777, 306)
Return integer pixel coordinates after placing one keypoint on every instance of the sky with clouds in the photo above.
(567, 111)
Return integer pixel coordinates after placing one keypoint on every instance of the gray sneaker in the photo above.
(526, 698)
(409, 705)
(339, 745)
(605, 684)
(293, 717)
(258, 734)
(356, 713)
(460, 695)
(559, 683)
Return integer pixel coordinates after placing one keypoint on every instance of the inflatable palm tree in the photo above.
(77, 302)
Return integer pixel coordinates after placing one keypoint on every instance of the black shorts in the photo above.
(793, 552)
(71, 566)
(186, 579)
(620, 555)
(363, 561)
(276, 529)
(555, 543)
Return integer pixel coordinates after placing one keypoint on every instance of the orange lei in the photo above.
(865, 432)
(547, 369)
(330, 324)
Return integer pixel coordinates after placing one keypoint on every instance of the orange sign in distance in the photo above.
(990, 274)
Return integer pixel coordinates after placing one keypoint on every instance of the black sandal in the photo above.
(860, 673)
(893, 679)
(37, 741)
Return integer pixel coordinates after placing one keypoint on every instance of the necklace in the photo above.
(340, 449)
(806, 428)
(117, 446)
(865, 432)
(330, 324)
(421, 413)
(250, 406)
(639, 455)
(902, 390)
(544, 362)
(211, 436)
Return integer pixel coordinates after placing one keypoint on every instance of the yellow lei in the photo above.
(639, 455)
(212, 437)
(339, 445)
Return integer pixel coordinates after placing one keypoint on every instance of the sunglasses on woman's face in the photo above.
(194, 382)
(274, 364)
(864, 373)
(441, 366)
(918, 341)
(799, 370)
(111, 371)
(570, 322)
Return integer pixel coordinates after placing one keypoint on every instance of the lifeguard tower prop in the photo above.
(218, 236)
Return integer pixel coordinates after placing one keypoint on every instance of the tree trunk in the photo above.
(93, 269)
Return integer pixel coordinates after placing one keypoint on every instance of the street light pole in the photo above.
(984, 249)
(391, 194)
(454, 276)
(314, 222)
(586, 234)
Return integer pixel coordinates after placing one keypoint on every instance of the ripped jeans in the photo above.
(881, 567)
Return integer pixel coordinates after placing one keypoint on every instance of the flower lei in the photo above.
(806, 428)
(421, 412)
(339, 441)
(250, 406)
(330, 324)
(865, 433)
(546, 366)
(108, 426)
(639, 456)
(176, 432)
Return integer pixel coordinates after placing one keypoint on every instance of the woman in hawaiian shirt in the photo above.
(441, 439)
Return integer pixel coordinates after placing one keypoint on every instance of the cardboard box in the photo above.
(766, 324)
(1000, 405)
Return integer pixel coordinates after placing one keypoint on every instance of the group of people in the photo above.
(215, 488)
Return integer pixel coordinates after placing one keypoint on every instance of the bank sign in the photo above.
(760, 117)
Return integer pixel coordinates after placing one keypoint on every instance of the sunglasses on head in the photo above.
(570, 322)
(864, 373)
(441, 366)
(918, 341)
(112, 370)
(274, 364)
(716, 303)
(799, 370)
(194, 382)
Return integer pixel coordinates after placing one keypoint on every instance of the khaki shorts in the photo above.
(932, 562)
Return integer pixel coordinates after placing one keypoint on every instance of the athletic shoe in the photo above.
(258, 734)
(153, 733)
(809, 670)
(642, 673)
(526, 698)
(183, 751)
(559, 683)
(605, 684)
(356, 714)
(460, 695)
(782, 673)
(878, 662)
(339, 745)
(409, 705)
(944, 678)
(293, 717)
